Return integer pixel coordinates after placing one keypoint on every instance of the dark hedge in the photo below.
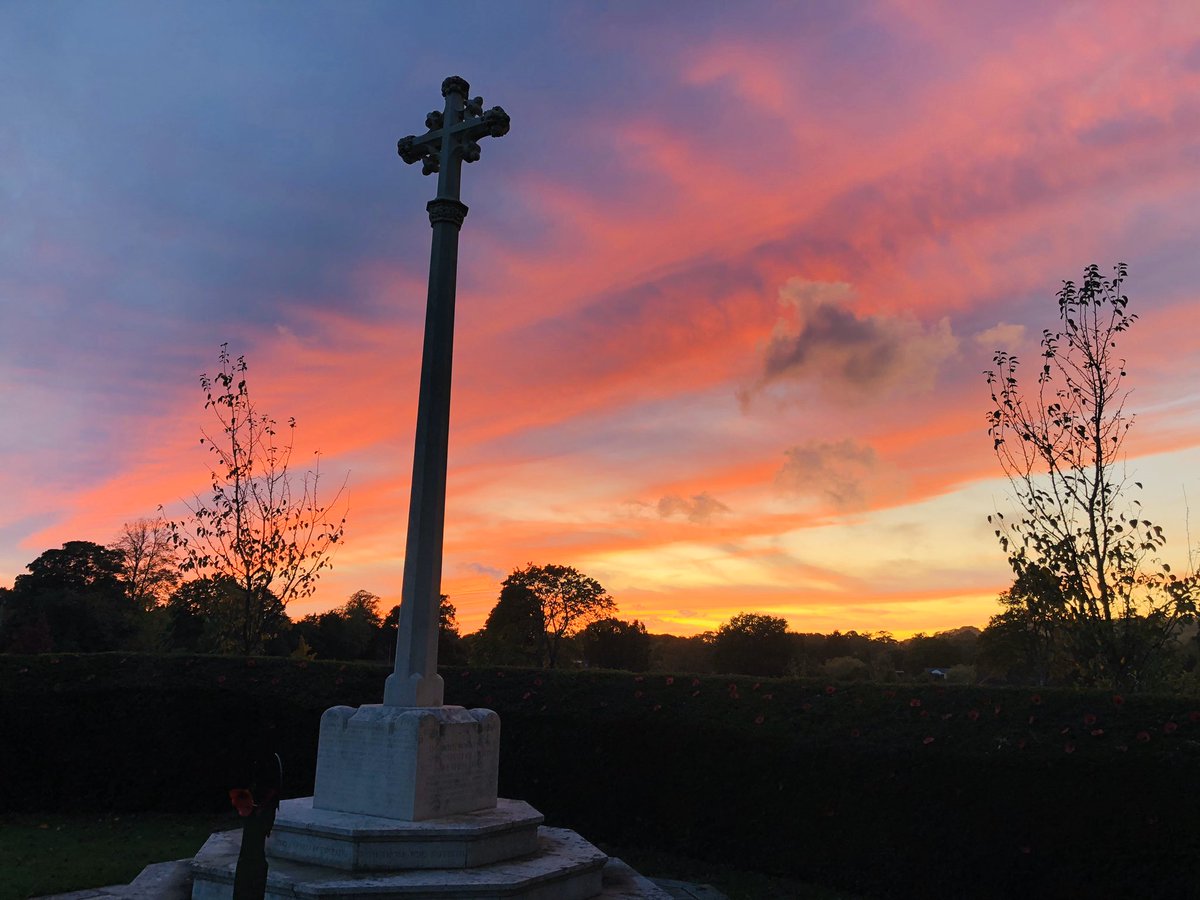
(885, 790)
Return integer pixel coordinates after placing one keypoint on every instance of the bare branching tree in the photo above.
(151, 562)
(1062, 447)
(261, 527)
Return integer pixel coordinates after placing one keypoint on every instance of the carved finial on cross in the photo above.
(453, 136)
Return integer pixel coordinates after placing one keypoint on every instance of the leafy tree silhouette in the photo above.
(1061, 444)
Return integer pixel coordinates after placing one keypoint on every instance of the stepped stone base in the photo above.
(565, 867)
(359, 843)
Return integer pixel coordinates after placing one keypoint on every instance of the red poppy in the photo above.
(758, 720)
(806, 706)
(829, 689)
(242, 800)
(1194, 716)
(756, 686)
(274, 681)
(499, 674)
(973, 715)
(1118, 700)
(1097, 732)
(888, 695)
(251, 663)
(854, 732)
(914, 702)
(637, 694)
(1143, 737)
(537, 682)
(639, 678)
(1069, 747)
(695, 682)
(1036, 699)
(220, 679)
(466, 674)
(1170, 728)
(1089, 719)
(338, 680)
(924, 714)
(670, 679)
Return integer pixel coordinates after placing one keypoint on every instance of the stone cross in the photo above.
(451, 140)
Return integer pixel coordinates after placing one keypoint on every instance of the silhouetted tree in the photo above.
(513, 633)
(260, 527)
(566, 601)
(615, 644)
(73, 599)
(352, 631)
(451, 650)
(672, 653)
(208, 615)
(151, 564)
(752, 644)
(941, 650)
(1023, 642)
(1059, 444)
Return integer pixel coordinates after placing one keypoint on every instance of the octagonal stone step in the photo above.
(359, 843)
(564, 867)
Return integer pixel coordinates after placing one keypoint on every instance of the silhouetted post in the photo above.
(451, 141)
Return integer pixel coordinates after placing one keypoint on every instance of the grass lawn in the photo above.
(54, 853)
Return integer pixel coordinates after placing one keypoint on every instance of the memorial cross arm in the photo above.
(453, 135)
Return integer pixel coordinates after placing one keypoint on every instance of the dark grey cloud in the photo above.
(836, 472)
(699, 508)
(822, 340)
(479, 568)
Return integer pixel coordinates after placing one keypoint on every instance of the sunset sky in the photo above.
(726, 290)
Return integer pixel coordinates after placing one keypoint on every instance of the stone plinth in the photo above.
(407, 763)
(565, 867)
(360, 843)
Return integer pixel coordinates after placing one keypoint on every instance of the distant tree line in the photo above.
(86, 597)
